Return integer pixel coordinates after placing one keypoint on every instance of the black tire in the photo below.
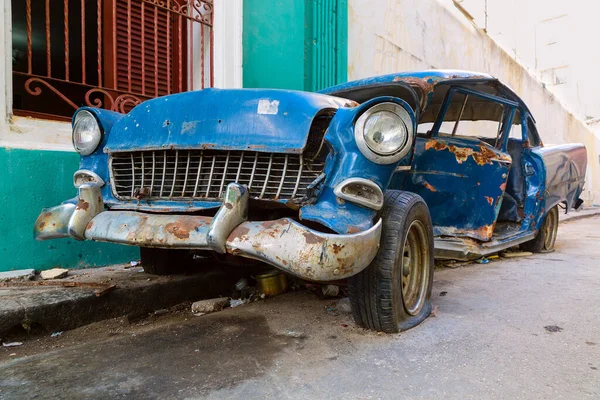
(377, 294)
(165, 261)
(546, 237)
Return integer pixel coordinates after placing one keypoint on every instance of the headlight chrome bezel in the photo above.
(359, 131)
(77, 119)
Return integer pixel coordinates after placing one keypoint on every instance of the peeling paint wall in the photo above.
(387, 36)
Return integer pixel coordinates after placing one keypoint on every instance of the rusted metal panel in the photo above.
(283, 243)
(150, 230)
(457, 177)
(464, 248)
(303, 252)
(565, 172)
(53, 223)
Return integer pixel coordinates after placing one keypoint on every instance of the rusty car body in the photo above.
(287, 178)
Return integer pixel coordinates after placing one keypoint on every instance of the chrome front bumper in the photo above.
(284, 243)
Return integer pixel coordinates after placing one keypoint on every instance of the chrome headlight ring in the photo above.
(405, 127)
(87, 133)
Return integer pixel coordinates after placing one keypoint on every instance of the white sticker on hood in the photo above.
(268, 107)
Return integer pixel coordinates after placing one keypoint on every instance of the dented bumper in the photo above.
(284, 243)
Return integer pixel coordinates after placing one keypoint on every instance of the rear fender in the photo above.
(565, 167)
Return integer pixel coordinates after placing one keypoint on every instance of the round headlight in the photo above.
(86, 133)
(384, 132)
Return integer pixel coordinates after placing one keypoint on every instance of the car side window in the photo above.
(472, 116)
(516, 129)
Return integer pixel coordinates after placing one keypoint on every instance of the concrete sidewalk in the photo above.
(101, 293)
(575, 215)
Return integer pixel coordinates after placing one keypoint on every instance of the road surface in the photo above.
(515, 328)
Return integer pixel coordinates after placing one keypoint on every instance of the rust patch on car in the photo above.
(271, 224)
(489, 200)
(461, 153)
(82, 205)
(485, 155)
(336, 248)
(353, 229)
(426, 85)
(503, 186)
(429, 187)
(311, 238)
(436, 145)
(482, 233)
(182, 227)
(485, 231)
(42, 224)
(228, 206)
(241, 232)
(90, 225)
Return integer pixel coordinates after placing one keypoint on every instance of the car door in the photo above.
(461, 167)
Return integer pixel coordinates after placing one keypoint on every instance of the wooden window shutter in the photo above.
(150, 49)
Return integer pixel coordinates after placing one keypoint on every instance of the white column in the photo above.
(228, 43)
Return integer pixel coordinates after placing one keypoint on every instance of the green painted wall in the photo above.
(295, 44)
(32, 180)
(273, 44)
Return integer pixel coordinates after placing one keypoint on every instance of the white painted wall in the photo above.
(40, 134)
(387, 36)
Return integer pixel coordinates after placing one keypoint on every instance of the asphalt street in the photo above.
(520, 328)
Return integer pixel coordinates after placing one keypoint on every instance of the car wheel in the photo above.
(165, 261)
(393, 293)
(546, 237)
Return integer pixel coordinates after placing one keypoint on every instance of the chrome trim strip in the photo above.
(187, 173)
(339, 192)
(198, 174)
(267, 176)
(224, 173)
(210, 176)
(253, 169)
(162, 183)
(285, 164)
(132, 175)
(299, 176)
(93, 179)
(153, 171)
(174, 174)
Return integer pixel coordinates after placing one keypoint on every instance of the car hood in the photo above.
(233, 119)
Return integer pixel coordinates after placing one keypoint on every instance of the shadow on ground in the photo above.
(223, 351)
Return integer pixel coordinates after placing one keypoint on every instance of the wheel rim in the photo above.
(550, 229)
(415, 269)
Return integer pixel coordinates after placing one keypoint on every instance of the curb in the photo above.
(577, 215)
(50, 309)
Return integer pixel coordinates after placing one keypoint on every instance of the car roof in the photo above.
(424, 83)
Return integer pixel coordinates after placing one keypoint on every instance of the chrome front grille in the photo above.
(204, 174)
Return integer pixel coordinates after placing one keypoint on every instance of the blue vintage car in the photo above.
(367, 180)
